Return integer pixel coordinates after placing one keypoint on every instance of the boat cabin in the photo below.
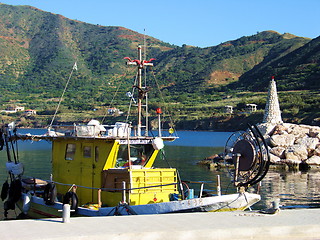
(100, 165)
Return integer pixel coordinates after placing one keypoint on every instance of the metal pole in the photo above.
(129, 152)
(66, 213)
(201, 190)
(218, 186)
(139, 89)
(238, 155)
(159, 125)
(124, 192)
(99, 198)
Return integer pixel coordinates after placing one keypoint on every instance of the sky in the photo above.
(201, 23)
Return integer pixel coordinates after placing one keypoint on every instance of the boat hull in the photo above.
(229, 202)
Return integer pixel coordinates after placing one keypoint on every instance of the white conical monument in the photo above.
(272, 113)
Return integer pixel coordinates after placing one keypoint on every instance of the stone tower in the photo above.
(272, 113)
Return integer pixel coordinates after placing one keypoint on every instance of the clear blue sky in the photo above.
(201, 23)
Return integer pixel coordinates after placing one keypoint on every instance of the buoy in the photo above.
(157, 143)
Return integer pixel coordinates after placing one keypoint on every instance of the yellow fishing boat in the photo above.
(105, 170)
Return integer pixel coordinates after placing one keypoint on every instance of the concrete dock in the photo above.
(287, 224)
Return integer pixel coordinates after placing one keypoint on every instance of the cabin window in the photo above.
(70, 151)
(96, 154)
(87, 152)
(139, 155)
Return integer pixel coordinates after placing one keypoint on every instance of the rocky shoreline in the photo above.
(291, 146)
(296, 146)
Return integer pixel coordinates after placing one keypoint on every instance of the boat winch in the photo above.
(247, 157)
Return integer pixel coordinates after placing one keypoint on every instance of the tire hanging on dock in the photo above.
(15, 190)
(71, 198)
(50, 194)
(4, 190)
(14, 195)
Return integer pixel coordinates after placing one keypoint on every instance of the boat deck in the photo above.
(287, 224)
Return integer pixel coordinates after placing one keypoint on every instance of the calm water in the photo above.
(293, 189)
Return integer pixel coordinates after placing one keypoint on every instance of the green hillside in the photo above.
(297, 70)
(38, 50)
(191, 69)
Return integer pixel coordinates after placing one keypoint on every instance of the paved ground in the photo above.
(287, 224)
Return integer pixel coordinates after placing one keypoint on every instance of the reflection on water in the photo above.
(294, 189)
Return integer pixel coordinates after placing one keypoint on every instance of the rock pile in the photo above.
(292, 145)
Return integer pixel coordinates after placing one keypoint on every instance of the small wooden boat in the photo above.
(105, 170)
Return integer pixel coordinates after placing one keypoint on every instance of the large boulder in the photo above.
(278, 151)
(314, 160)
(308, 142)
(299, 131)
(284, 140)
(290, 155)
(280, 129)
(314, 132)
(298, 150)
(266, 129)
(274, 159)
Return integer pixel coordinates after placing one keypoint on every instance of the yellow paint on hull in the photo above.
(82, 161)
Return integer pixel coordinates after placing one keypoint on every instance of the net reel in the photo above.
(247, 157)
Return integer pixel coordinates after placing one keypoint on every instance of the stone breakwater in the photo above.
(291, 145)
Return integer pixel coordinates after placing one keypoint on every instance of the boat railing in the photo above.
(186, 193)
(115, 189)
(119, 129)
(91, 130)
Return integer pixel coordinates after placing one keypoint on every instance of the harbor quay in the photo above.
(286, 224)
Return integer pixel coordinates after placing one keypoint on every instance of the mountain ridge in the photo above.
(300, 68)
(47, 40)
(38, 50)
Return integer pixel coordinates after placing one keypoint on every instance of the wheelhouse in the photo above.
(82, 161)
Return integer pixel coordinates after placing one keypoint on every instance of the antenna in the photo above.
(144, 44)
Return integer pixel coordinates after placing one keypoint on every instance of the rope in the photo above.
(162, 98)
(114, 96)
(228, 204)
(62, 95)
(112, 189)
(131, 99)
(116, 93)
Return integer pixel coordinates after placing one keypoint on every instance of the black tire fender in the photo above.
(4, 190)
(50, 194)
(71, 198)
(15, 191)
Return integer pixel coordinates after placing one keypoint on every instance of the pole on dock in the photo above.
(66, 213)
(218, 186)
(124, 200)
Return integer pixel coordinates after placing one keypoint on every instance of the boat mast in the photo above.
(140, 67)
(141, 90)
